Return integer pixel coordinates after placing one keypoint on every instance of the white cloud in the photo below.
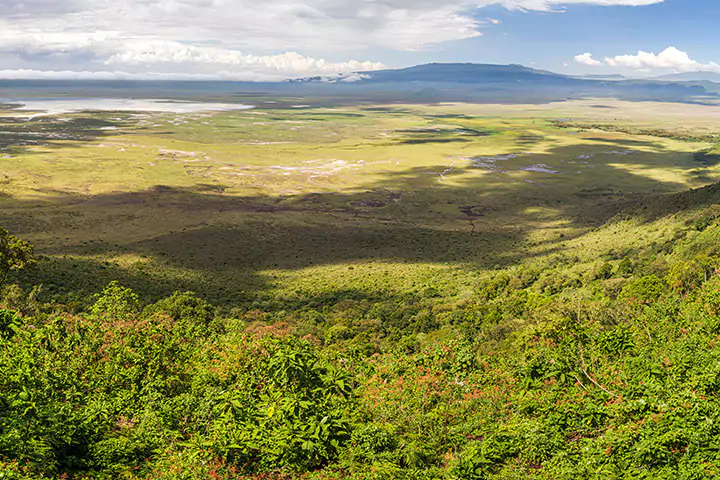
(236, 35)
(670, 59)
(289, 63)
(28, 74)
(44, 44)
(275, 24)
(139, 55)
(549, 4)
(587, 59)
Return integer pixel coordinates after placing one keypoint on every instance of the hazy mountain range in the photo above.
(437, 82)
(507, 83)
(692, 77)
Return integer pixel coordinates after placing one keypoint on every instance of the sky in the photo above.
(273, 40)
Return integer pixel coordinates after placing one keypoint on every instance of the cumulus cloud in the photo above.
(551, 4)
(290, 63)
(587, 59)
(29, 74)
(34, 8)
(669, 59)
(277, 24)
(139, 55)
(238, 35)
(29, 45)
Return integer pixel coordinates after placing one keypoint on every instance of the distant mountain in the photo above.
(431, 83)
(470, 73)
(465, 73)
(691, 77)
(470, 82)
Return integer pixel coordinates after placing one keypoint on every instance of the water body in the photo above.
(57, 106)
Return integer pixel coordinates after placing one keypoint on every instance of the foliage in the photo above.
(605, 271)
(625, 267)
(541, 375)
(644, 290)
(686, 276)
(81, 395)
(15, 254)
(116, 302)
(10, 321)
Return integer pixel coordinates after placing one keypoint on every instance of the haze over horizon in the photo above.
(237, 40)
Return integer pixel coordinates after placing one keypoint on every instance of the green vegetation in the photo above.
(652, 132)
(412, 292)
(15, 254)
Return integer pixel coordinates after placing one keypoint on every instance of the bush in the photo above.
(472, 464)
(372, 443)
(297, 420)
(625, 268)
(193, 314)
(80, 395)
(604, 272)
(644, 290)
(9, 323)
(116, 302)
(684, 277)
(15, 254)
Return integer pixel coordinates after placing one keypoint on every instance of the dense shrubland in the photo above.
(609, 371)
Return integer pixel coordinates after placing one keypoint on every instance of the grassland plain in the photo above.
(286, 202)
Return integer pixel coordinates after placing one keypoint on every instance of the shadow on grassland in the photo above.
(657, 207)
(53, 131)
(231, 247)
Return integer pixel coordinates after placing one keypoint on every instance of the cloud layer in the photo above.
(669, 59)
(240, 36)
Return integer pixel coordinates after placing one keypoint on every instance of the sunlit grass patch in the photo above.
(397, 197)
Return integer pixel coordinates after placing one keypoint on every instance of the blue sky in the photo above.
(276, 39)
(551, 40)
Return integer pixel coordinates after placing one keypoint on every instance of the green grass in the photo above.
(291, 202)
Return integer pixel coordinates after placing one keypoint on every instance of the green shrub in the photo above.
(615, 341)
(604, 272)
(644, 290)
(625, 268)
(9, 323)
(15, 254)
(472, 464)
(686, 276)
(193, 314)
(372, 443)
(115, 302)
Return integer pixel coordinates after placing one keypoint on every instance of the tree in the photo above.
(116, 302)
(15, 254)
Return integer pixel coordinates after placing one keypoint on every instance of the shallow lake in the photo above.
(57, 106)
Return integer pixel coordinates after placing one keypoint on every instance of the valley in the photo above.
(309, 289)
(264, 200)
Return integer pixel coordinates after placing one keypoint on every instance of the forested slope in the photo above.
(601, 365)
